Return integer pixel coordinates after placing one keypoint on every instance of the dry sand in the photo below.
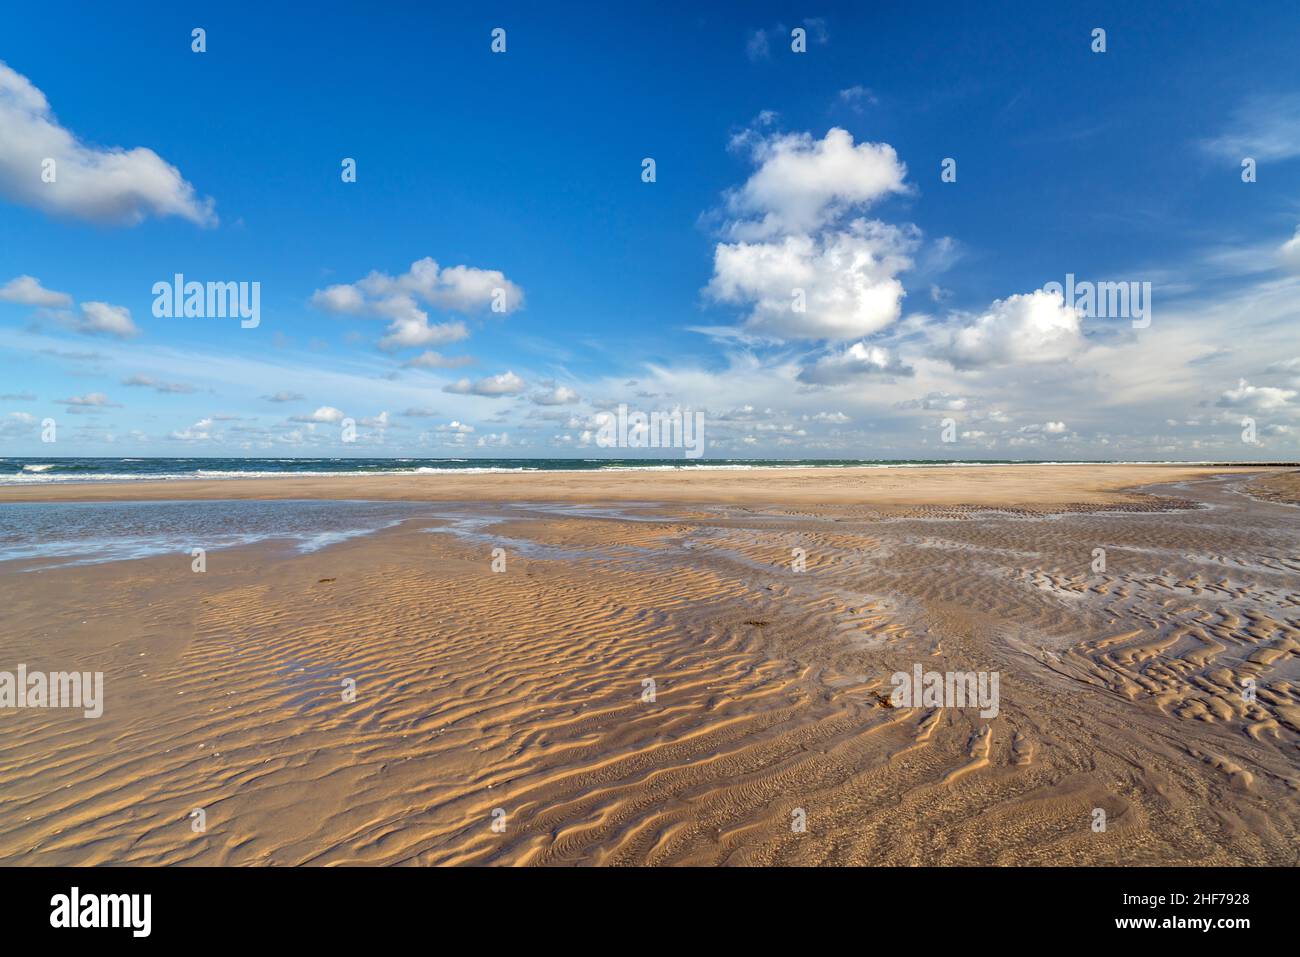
(1027, 486)
(519, 697)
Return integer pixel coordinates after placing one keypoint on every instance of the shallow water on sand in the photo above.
(81, 533)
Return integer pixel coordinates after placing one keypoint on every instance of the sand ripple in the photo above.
(674, 690)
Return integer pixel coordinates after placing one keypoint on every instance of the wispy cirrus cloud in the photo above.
(758, 42)
(436, 360)
(857, 98)
(1262, 127)
(1289, 252)
(165, 388)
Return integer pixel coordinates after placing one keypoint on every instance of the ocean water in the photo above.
(51, 534)
(28, 471)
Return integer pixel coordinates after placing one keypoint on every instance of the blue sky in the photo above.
(776, 171)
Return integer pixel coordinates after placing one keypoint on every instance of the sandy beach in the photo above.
(679, 668)
(1001, 486)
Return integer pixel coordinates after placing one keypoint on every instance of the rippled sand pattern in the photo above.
(509, 718)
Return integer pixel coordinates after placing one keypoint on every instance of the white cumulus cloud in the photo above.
(802, 183)
(560, 395)
(101, 319)
(840, 285)
(400, 300)
(507, 383)
(797, 254)
(326, 413)
(1256, 398)
(28, 291)
(852, 364)
(1030, 328)
(105, 185)
(413, 333)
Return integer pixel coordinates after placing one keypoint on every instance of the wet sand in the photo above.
(519, 697)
